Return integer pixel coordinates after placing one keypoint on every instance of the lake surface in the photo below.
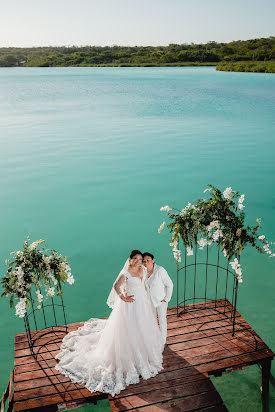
(89, 155)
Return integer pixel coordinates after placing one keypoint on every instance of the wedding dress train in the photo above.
(107, 355)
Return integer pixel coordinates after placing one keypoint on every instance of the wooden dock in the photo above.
(199, 344)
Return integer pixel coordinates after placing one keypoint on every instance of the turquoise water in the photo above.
(88, 156)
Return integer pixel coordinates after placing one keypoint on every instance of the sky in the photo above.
(132, 22)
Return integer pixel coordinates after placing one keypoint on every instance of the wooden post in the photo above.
(265, 366)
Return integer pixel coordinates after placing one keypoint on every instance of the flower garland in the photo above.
(34, 267)
(220, 220)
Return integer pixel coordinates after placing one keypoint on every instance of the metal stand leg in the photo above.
(265, 366)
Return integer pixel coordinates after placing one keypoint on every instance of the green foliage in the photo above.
(34, 267)
(172, 55)
(219, 219)
(196, 220)
(248, 66)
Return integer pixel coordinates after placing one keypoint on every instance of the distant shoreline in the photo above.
(244, 66)
(257, 55)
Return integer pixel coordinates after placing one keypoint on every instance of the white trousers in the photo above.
(162, 318)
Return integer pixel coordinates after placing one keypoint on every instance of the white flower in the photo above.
(237, 268)
(267, 249)
(259, 220)
(39, 296)
(240, 206)
(189, 251)
(174, 243)
(19, 273)
(161, 227)
(207, 189)
(47, 259)
(272, 255)
(177, 254)
(217, 235)
(213, 224)
(39, 307)
(228, 193)
(19, 253)
(35, 244)
(202, 242)
(241, 198)
(70, 279)
(224, 253)
(51, 292)
(234, 264)
(50, 275)
(165, 208)
(262, 237)
(187, 207)
(20, 308)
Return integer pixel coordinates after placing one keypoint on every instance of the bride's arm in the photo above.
(117, 286)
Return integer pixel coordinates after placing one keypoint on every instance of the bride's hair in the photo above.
(134, 253)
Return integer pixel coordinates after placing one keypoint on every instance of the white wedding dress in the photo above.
(107, 355)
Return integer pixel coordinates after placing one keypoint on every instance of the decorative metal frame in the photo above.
(34, 335)
(227, 295)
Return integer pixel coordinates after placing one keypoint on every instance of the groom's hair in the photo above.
(147, 254)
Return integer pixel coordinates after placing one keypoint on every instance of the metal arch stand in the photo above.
(181, 304)
(33, 336)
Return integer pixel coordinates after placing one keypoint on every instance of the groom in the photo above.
(161, 288)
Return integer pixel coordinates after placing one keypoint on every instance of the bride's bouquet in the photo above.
(41, 267)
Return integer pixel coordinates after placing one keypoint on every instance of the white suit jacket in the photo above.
(160, 284)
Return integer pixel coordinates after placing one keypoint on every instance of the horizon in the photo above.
(108, 23)
(136, 45)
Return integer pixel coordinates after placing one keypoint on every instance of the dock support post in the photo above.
(265, 366)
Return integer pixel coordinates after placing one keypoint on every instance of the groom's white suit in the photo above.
(161, 288)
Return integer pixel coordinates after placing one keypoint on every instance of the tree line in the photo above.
(262, 49)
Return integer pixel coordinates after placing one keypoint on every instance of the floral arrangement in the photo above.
(33, 266)
(218, 219)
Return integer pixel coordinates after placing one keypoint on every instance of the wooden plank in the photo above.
(48, 339)
(40, 357)
(145, 389)
(199, 344)
(205, 316)
(201, 313)
(44, 355)
(161, 395)
(22, 348)
(223, 363)
(53, 400)
(174, 378)
(52, 390)
(191, 317)
(22, 337)
(239, 339)
(203, 327)
(37, 349)
(199, 305)
(33, 382)
(28, 367)
(196, 402)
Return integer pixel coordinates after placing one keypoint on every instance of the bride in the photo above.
(107, 355)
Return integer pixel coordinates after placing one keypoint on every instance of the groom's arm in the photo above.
(167, 283)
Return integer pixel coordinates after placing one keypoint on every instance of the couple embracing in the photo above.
(106, 355)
